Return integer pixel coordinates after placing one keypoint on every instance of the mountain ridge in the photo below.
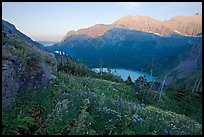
(184, 25)
(7, 27)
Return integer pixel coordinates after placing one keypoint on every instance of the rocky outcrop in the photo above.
(12, 72)
(24, 66)
(190, 64)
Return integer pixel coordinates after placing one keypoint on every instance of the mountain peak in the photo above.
(185, 25)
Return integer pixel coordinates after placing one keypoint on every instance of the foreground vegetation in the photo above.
(71, 105)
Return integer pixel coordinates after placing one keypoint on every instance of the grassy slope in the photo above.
(148, 119)
(80, 105)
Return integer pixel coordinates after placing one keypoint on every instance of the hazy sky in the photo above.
(50, 21)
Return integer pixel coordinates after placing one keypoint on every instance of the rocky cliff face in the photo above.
(189, 65)
(184, 25)
(12, 72)
(23, 66)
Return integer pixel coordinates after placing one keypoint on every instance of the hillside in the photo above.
(22, 63)
(81, 105)
(184, 25)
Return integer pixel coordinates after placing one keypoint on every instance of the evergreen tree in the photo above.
(101, 67)
(129, 81)
(109, 70)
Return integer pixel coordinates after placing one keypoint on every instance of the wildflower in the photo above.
(166, 132)
(166, 122)
(35, 87)
(62, 82)
(129, 105)
(17, 86)
(121, 101)
(80, 81)
(81, 93)
(51, 82)
(135, 116)
(141, 120)
(89, 92)
(9, 94)
(93, 94)
(43, 75)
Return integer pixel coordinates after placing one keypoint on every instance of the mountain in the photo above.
(121, 47)
(189, 66)
(184, 25)
(11, 29)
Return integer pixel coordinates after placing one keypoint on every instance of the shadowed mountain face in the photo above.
(184, 25)
(190, 64)
(120, 47)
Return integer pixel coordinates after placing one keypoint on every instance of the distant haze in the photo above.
(47, 43)
(50, 21)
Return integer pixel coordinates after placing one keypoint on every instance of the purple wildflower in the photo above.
(130, 105)
(9, 94)
(81, 93)
(17, 86)
(51, 82)
(63, 94)
(89, 92)
(89, 89)
(166, 122)
(94, 94)
(62, 82)
(80, 81)
(113, 102)
(166, 132)
(122, 102)
(43, 75)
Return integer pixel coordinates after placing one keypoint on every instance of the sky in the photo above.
(50, 21)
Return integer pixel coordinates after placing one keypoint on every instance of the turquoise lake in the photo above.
(124, 73)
